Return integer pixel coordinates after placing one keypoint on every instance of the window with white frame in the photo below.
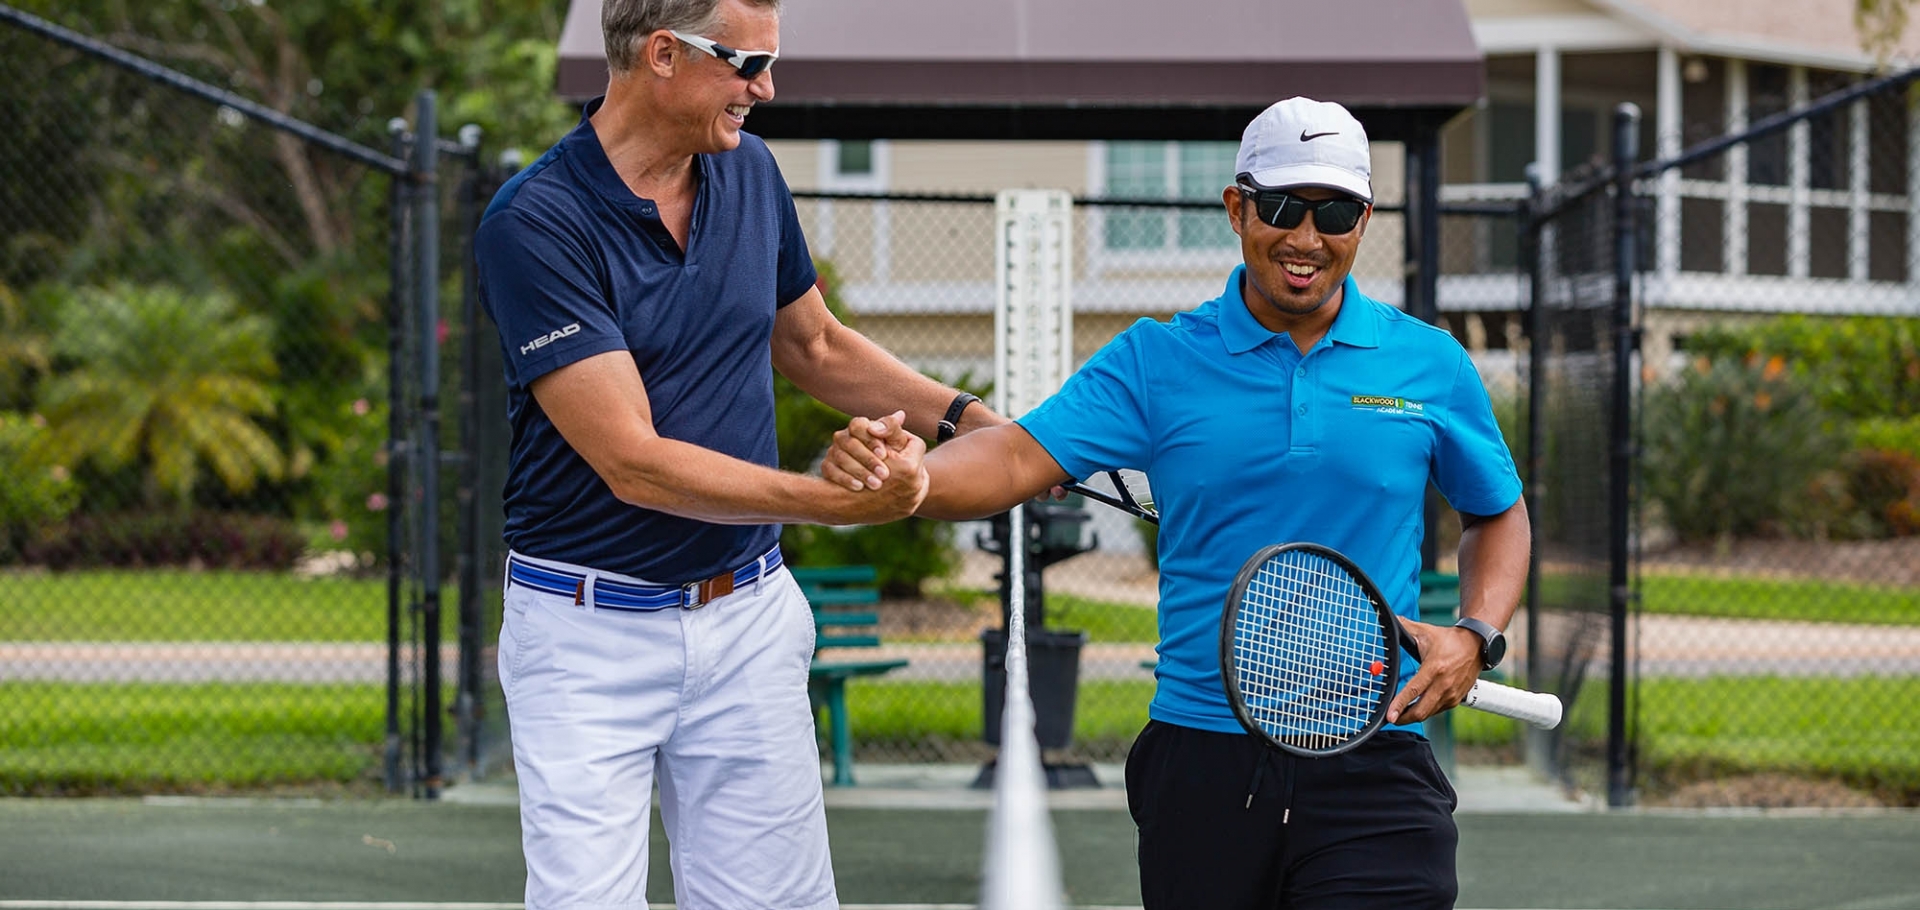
(1164, 170)
(856, 165)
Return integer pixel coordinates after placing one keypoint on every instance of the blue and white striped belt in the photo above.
(617, 595)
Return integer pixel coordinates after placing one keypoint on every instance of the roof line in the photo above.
(1729, 46)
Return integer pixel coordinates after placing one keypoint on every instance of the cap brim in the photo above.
(1321, 175)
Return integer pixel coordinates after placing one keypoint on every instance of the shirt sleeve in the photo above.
(796, 272)
(1098, 421)
(541, 289)
(1472, 466)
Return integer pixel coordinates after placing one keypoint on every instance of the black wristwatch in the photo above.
(950, 424)
(1493, 644)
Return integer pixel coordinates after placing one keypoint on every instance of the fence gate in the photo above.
(221, 529)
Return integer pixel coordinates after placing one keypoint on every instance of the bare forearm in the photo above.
(857, 377)
(1493, 565)
(679, 478)
(987, 472)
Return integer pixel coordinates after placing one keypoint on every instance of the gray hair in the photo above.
(625, 22)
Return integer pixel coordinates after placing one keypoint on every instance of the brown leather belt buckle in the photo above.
(697, 594)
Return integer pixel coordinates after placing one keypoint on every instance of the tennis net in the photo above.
(1022, 859)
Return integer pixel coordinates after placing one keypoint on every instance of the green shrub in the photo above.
(346, 487)
(1733, 445)
(903, 553)
(1891, 434)
(34, 494)
(1858, 366)
(144, 539)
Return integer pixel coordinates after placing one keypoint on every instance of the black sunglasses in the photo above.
(1284, 210)
(749, 64)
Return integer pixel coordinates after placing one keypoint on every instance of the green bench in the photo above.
(831, 589)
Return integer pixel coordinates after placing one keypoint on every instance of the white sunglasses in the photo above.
(748, 64)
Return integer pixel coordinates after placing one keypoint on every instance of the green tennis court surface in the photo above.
(325, 855)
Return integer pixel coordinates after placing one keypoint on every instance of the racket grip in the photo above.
(1541, 709)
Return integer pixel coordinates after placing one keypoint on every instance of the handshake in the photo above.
(882, 462)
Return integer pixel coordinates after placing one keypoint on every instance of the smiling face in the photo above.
(709, 101)
(1292, 274)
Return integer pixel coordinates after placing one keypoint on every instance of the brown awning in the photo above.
(1067, 69)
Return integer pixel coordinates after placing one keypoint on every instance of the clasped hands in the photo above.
(881, 458)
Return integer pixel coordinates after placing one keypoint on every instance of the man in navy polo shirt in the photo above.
(1289, 408)
(648, 274)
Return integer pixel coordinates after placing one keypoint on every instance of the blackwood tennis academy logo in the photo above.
(1389, 404)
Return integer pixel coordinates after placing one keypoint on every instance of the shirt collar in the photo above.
(590, 161)
(1356, 325)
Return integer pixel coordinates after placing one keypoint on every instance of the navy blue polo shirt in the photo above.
(1246, 443)
(572, 264)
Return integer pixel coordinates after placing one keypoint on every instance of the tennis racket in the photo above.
(1130, 494)
(1310, 653)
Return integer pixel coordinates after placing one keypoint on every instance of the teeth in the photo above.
(1294, 268)
(738, 110)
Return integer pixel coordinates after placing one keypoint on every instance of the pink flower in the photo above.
(338, 529)
(361, 407)
(377, 502)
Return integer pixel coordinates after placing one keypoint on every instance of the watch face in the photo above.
(1494, 651)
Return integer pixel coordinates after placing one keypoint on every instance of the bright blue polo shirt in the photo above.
(572, 264)
(1247, 443)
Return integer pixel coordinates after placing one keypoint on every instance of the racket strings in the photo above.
(1309, 653)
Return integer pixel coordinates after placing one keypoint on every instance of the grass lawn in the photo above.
(72, 737)
(1858, 730)
(1767, 598)
(184, 605)
(1690, 728)
(81, 738)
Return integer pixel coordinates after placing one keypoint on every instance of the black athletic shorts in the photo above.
(1229, 823)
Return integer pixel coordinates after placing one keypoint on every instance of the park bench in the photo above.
(831, 590)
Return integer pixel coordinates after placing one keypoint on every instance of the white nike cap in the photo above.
(1302, 142)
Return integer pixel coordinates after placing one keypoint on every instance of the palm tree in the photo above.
(174, 381)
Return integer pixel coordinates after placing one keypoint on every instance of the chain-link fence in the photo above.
(207, 571)
(1777, 543)
(235, 552)
(1573, 371)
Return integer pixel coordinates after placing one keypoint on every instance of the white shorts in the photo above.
(710, 703)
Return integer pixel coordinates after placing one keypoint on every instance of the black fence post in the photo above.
(1626, 145)
(399, 285)
(1533, 247)
(469, 558)
(426, 157)
(1421, 227)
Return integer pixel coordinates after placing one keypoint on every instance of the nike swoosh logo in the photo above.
(1309, 137)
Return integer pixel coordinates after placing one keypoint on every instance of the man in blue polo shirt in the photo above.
(1289, 408)
(647, 275)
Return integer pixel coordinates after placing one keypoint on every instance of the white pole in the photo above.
(1859, 159)
(1546, 114)
(1666, 145)
(1799, 169)
(1733, 239)
(1913, 194)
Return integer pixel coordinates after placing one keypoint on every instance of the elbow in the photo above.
(638, 482)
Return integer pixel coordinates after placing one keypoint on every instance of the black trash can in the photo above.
(1053, 674)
